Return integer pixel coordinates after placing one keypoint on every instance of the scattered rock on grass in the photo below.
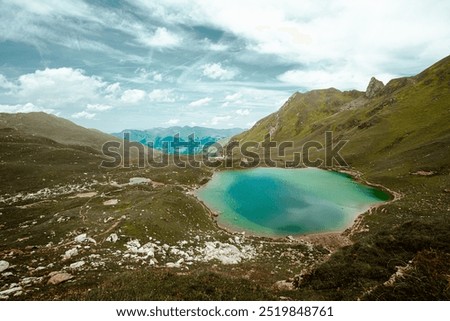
(11, 290)
(77, 265)
(283, 286)
(113, 201)
(112, 238)
(59, 277)
(70, 253)
(3, 265)
(82, 238)
(139, 180)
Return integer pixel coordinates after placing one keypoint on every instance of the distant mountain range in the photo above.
(161, 137)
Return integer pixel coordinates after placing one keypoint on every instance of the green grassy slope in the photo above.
(55, 128)
(300, 114)
(405, 126)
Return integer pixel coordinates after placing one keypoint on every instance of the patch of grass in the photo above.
(162, 285)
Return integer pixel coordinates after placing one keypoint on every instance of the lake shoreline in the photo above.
(331, 240)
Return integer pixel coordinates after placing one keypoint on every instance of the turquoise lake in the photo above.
(280, 202)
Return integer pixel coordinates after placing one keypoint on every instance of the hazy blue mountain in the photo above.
(161, 137)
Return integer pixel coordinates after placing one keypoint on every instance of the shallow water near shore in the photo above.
(280, 202)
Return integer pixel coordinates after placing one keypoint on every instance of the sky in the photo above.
(114, 65)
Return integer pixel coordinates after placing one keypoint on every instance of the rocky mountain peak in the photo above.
(374, 87)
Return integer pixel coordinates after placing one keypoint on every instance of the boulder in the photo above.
(175, 265)
(11, 290)
(283, 285)
(59, 277)
(111, 202)
(69, 253)
(3, 266)
(112, 238)
(82, 238)
(77, 265)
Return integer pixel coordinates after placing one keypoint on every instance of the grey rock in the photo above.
(374, 87)
(59, 277)
(283, 286)
(69, 253)
(3, 266)
(83, 238)
(139, 180)
(112, 238)
(77, 265)
(11, 290)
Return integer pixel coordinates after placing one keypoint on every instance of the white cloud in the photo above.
(162, 96)
(371, 37)
(218, 47)
(98, 107)
(214, 46)
(216, 120)
(57, 86)
(5, 83)
(233, 97)
(147, 76)
(342, 78)
(113, 89)
(216, 71)
(243, 112)
(250, 124)
(52, 7)
(26, 108)
(160, 38)
(172, 122)
(133, 96)
(83, 114)
(200, 102)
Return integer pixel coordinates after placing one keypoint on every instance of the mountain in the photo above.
(402, 125)
(39, 149)
(55, 128)
(398, 137)
(159, 136)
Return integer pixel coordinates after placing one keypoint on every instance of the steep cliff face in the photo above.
(374, 88)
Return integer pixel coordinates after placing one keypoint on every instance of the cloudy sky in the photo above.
(139, 64)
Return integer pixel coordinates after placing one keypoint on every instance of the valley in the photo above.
(71, 230)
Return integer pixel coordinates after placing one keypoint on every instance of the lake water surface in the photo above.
(279, 202)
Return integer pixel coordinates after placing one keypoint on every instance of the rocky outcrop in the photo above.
(374, 87)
